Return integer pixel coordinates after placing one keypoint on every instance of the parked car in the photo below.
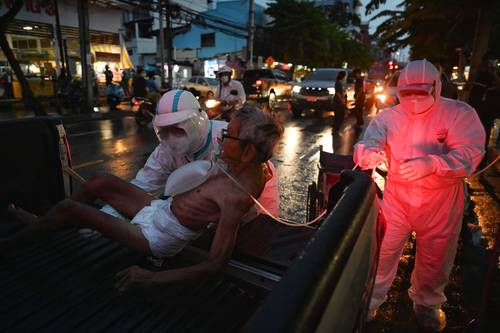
(386, 95)
(201, 86)
(317, 90)
(266, 85)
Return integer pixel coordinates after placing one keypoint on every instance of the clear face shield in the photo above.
(184, 137)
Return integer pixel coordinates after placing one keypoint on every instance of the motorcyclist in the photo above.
(229, 92)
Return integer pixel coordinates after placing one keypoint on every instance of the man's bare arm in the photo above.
(220, 252)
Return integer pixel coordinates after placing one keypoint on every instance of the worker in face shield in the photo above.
(185, 134)
(430, 144)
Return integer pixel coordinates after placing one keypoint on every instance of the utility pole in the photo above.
(162, 43)
(169, 42)
(251, 30)
(59, 40)
(85, 58)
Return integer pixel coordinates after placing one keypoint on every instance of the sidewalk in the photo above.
(17, 110)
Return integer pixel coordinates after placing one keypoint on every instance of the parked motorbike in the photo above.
(144, 110)
(70, 94)
(115, 95)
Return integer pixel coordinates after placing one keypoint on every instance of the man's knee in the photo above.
(62, 210)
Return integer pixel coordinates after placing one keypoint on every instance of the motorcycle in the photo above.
(144, 110)
(115, 95)
(219, 110)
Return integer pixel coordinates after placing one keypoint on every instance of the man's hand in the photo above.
(369, 158)
(134, 277)
(417, 168)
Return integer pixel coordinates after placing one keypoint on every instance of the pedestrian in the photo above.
(124, 81)
(359, 97)
(430, 144)
(139, 84)
(109, 75)
(448, 89)
(484, 97)
(339, 101)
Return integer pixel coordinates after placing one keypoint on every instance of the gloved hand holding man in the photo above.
(431, 143)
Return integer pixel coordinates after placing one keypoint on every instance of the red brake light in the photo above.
(258, 82)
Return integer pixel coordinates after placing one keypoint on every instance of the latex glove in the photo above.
(134, 277)
(417, 168)
(369, 158)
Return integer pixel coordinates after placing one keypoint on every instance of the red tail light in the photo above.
(258, 82)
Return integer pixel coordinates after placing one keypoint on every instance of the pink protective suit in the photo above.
(445, 140)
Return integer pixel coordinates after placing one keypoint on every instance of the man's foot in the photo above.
(20, 215)
(432, 320)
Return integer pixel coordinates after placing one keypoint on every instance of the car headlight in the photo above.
(381, 97)
(331, 90)
(296, 89)
(379, 89)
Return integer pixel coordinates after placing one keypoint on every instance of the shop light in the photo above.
(28, 27)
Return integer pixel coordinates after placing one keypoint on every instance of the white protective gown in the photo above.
(451, 134)
(160, 164)
(224, 93)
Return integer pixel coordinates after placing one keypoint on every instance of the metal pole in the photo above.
(59, 40)
(169, 43)
(251, 29)
(85, 58)
(162, 43)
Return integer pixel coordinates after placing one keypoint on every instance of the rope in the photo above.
(286, 222)
(487, 167)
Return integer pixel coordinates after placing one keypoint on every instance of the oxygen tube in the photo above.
(277, 219)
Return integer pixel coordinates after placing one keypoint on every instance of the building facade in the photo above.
(32, 37)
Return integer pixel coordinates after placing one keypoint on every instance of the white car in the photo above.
(201, 86)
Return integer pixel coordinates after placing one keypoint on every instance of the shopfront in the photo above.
(32, 37)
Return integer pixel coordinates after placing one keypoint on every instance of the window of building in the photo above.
(24, 43)
(208, 40)
(45, 43)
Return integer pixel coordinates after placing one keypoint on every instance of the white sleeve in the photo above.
(155, 172)
(465, 140)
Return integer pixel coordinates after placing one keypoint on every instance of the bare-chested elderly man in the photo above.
(164, 227)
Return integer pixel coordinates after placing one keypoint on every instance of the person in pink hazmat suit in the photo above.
(430, 144)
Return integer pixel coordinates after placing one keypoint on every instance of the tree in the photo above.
(436, 29)
(28, 98)
(300, 33)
